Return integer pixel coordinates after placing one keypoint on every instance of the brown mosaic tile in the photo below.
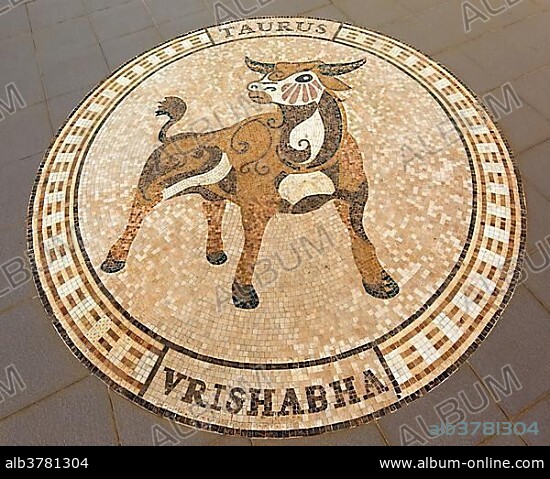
(318, 226)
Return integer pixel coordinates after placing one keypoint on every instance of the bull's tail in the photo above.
(175, 108)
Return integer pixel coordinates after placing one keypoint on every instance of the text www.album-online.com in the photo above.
(485, 463)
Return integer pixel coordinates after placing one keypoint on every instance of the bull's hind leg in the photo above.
(168, 172)
(116, 258)
(214, 211)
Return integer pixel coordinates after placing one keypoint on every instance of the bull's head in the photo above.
(300, 83)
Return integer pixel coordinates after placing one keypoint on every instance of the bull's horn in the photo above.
(259, 67)
(334, 69)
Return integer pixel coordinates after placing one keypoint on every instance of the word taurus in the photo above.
(293, 160)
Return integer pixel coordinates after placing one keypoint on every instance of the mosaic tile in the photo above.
(277, 227)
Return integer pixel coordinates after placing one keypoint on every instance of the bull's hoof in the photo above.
(111, 265)
(387, 289)
(216, 258)
(245, 296)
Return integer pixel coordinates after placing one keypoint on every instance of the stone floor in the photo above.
(55, 51)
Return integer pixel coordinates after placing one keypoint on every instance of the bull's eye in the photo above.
(306, 77)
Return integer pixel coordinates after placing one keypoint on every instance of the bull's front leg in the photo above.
(254, 220)
(353, 196)
(214, 211)
(376, 280)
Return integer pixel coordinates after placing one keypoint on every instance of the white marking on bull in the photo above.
(313, 131)
(299, 185)
(218, 173)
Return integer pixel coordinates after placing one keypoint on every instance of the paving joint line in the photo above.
(47, 396)
(113, 415)
(40, 72)
(381, 431)
(88, 16)
(498, 405)
(152, 18)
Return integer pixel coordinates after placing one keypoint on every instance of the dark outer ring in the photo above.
(290, 432)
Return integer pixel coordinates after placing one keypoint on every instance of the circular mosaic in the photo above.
(277, 227)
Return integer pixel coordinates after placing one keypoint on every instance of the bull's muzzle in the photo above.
(257, 92)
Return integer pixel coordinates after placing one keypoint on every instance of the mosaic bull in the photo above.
(292, 160)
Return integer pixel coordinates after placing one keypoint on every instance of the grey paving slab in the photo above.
(539, 414)
(78, 415)
(408, 425)
(230, 441)
(181, 25)
(538, 215)
(16, 286)
(514, 51)
(372, 13)
(84, 67)
(509, 13)
(44, 13)
(520, 339)
(277, 7)
(533, 34)
(442, 27)
(535, 166)
(545, 4)
(164, 10)
(524, 126)
(44, 363)
(20, 67)
(122, 49)
(13, 21)
(227, 10)
(469, 72)
(139, 427)
(24, 133)
(61, 106)
(366, 435)
(501, 440)
(63, 40)
(416, 6)
(331, 12)
(533, 88)
(16, 181)
(120, 20)
(433, 30)
(500, 56)
(95, 5)
(537, 272)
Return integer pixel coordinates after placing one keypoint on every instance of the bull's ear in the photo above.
(259, 67)
(334, 69)
(333, 84)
